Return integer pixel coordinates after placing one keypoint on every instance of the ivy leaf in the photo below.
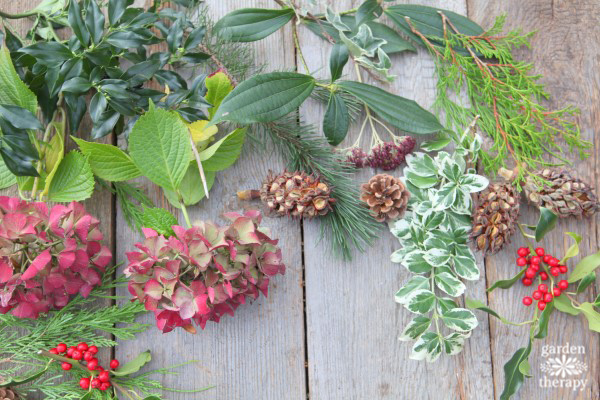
(160, 147)
(337, 60)
(545, 224)
(108, 162)
(190, 190)
(336, 120)
(542, 330)
(415, 328)
(507, 283)
(586, 266)
(513, 376)
(160, 220)
(225, 152)
(218, 86)
(73, 181)
(460, 319)
(251, 24)
(400, 112)
(134, 365)
(265, 98)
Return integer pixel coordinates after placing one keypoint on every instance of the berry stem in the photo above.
(63, 359)
(526, 237)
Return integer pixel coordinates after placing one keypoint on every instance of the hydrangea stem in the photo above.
(185, 214)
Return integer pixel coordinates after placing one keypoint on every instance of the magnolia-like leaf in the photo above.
(513, 375)
(225, 152)
(218, 86)
(337, 61)
(160, 220)
(190, 190)
(400, 112)
(507, 283)
(584, 267)
(73, 180)
(251, 24)
(159, 145)
(20, 380)
(545, 224)
(421, 301)
(134, 365)
(415, 328)
(265, 98)
(415, 283)
(336, 120)
(108, 162)
(460, 319)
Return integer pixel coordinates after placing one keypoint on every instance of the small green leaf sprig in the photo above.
(434, 238)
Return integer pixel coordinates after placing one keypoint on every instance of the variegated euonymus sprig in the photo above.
(434, 238)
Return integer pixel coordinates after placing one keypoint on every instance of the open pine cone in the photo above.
(8, 394)
(386, 196)
(495, 217)
(564, 194)
(297, 194)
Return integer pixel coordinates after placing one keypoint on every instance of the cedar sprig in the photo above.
(507, 96)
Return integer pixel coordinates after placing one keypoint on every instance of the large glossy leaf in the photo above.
(251, 24)
(73, 181)
(336, 120)
(48, 53)
(109, 162)
(545, 224)
(19, 117)
(265, 98)
(337, 60)
(159, 145)
(12, 89)
(116, 9)
(507, 283)
(76, 22)
(94, 22)
(513, 376)
(401, 112)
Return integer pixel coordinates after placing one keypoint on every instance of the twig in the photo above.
(218, 63)
(199, 162)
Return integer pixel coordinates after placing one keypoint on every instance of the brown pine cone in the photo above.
(386, 196)
(8, 394)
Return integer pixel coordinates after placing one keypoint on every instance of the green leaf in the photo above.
(545, 224)
(194, 38)
(77, 85)
(55, 153)
(105, 124)
(12, 89)
(20, 380)
(7, 178)
(190, 190)
(224, 153)
(435, 145)
(76, 23)
(94, 22)
(218, 86)
(574, 249)
(421, 301)
(460, 319)
(336, 120)
(415, 283)
(108, 162)
(251, 24)
(513, 376)
(542, 330)
(448, 283)
(337, 60)
(466, 268)
(563, 304)
(507, 283)
(159, 145)
(585, 282)
(87, 396)
(415, 328)
(134, 365)
(400, 112)
(591, 315)
(116, 8)
(160, 220)
(428, 347)
(19, 117)
(368, 11)
(265, 98)
(478, 305)
(586, 266)
(73, 181)
(48, 53)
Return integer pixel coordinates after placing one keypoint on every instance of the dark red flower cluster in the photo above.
(47, 256)
(386, 156)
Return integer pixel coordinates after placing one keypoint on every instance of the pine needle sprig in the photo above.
(350, 226)
(132, 200)
(506, 95)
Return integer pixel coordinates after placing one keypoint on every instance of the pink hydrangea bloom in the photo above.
(204, 272)
(47, 256)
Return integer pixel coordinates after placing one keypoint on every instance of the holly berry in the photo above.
(104, 376)
(555, 271)
(527, 282)
(563, 269)
(82, 347)
(61, 347)
(535, 267)
(540, 251)
(563, 285)
(66, 366)
(104, 386)
(92, 364)
(114, 364)
(541, 305)
(521, 261)
(53, 351)
(70, 351)
(556, 291)
(93, 349)
(96, 383)
(77, 355)
(547, 297)
(527, 300)
(547, 258)
(543, 288)
(84, 383)
(544, 275)
(535, 260)
(530, 273)
(537, 294)
(523, 252)
(554, 262)
(87, 356)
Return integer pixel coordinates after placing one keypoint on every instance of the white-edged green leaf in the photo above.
(460, 319)
(420, 301)
(421, 164)
(73, 180)
(416, 263)
(474, 183)
(415, 328)
(435, 145)
(466, 268)
(437, 257)
(421, 182)
(454, 343)
(417, 282)
(449, 284)
(428, 347)
(108, 162)
(447, 195)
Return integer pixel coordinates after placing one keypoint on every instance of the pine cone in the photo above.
(297, 194)
(8, 394)
(563, 194)
(495, 217)
(386, 196)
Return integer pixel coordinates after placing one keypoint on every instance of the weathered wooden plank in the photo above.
(353, 322)
(259, 353)
(565, 50)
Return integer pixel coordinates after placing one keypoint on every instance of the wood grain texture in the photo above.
(259, 353)
(565, 51)
(353, 322)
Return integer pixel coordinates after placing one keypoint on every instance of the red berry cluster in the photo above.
(533, 263)
(83, 352)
